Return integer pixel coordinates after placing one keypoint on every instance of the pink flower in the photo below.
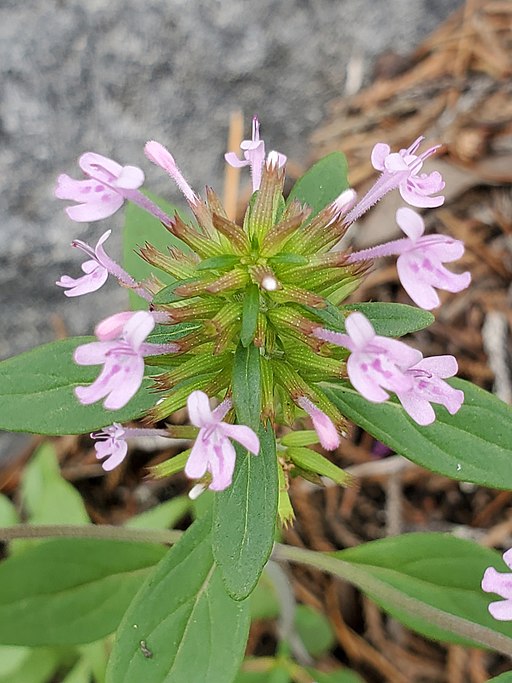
(401, 170)
(420, 264)
(160, 156)
(324, 426)
(254, 156)
(103, 193)
(428, 387)
(97, 270)
(212, 450)
(111, 443)
(420, 260)
(376, 363)
(501, 584)
(121, 351)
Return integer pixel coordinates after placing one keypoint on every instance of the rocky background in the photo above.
(106, 75)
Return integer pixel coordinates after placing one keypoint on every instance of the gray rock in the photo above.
(107, 76)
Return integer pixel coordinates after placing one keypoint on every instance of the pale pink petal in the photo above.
(93, 353)
(244, 435)
(423, 294)
(364, 384)
(126, 382)
(199, 410)
(418, 408)
(501, 610)
(396, 163)
(98, 166)
(197, 462)
(379, 154)
(336, 338)
(112, 327)
(497, 582)
(410, 222)
(442, 248)
(131, 178)
(360, 329)
(399, 352)
(232, 159)
(76, 190)
(89, 266)
(442, 366)
(222, 465)
(101, 208)
(220, 412)
(324, 426)
(91, 282)
(137, 328)
(507, 558)
(116, 458)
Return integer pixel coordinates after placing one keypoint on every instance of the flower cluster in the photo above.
(267, 282)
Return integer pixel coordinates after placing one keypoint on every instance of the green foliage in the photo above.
(163, 516)
(36, 392)
(430, 582)
(8, 514)
(503, 678)
(70, 591)
(388, 319)
(47, 497)
(474, 445)
(322, 183)
(314, 630)
(37, 667)
(250, 314)
(247, 386)
(189, 627)
(140, 227)
(392, 320)
(245, 517)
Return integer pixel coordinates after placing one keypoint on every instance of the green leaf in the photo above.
(312, 461)
(245, 517)
(140, 227)
(36, 393)
(224, 262)
(184, 618)
(314, 630)
(70, 591)
(80, 673)
(250, 311)
(246, 385)
(503, 678)
(433, 569)
(12, 659)
(46, 495)
(428, 581)
(322, 183)
(163, 516)
(263, 600)
(8, 513)
(392, 320)
(37, 668)
(474, 445)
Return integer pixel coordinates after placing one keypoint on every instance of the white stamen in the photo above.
(196, 491)
(269, 283)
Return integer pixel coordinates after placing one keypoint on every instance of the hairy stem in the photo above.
(104, 532)
(389, 595)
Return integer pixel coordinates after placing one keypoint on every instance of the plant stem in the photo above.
(104, 532)
(387, 595)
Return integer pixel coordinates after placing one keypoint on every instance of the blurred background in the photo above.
(107, 76)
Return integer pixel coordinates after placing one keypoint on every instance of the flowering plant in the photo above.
(247, 326)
